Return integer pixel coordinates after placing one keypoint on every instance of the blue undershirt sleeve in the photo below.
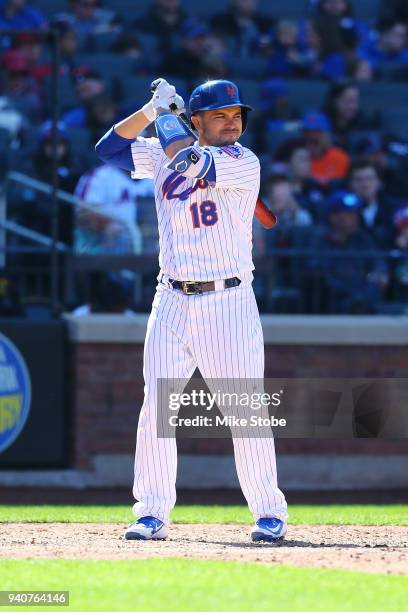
(115, 150)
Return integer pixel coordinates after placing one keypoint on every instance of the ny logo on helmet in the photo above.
(231, 92)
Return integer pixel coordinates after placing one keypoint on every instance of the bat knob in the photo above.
(154, 84)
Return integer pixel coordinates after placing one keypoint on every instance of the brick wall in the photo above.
(107, 393)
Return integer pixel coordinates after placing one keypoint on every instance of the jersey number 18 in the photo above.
(204, 214)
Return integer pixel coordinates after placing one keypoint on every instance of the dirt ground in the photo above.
(363, 548)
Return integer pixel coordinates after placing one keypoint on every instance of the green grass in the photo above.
(181, 585)
(298, 514)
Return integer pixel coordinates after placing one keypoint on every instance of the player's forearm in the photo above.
(133, 125)
(173, 133)
(174, 148)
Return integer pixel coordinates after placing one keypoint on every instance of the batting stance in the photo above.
(204, 313)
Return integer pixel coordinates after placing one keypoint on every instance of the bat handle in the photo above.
(154, 84)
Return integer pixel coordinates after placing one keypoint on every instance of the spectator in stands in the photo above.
(377, 208)
(163, 20)
(273, 113)
(308, 193)
(34, 210)
(111, 226)
(390, 157)
(11, 124)
(283, 52)
(19, 86)
(130, 45)
(200, 55)
(342, 107)
(10, 304)
(341, 12)
(390, 48)
(88, 86)
(31, 46)
(242, 24)
(15, 15)
(400, 272)
(283, 202)
(107, 293)
(360, 70)
(87, 18)
(292, 220)
(353, 283)
(321, 52)
(102, 113)
(329, 163)
(68, 45)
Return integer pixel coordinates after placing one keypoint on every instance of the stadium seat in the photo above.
(398, 72)
(274, 138)
(287, 9)
(356, 137)
(51, 7)
(290, 9)
(147, 221)
(138, 87)
(375, 96)
(128, 10)
(207, 9)
(306, 95)
(80, 141)
(149, 44)
(250, 91)
(366, 10)
(102, 43)
(249, 68)
(110, 65)
(66, 93)
(396, 122)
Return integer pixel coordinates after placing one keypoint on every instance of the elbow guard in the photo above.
(192, 162)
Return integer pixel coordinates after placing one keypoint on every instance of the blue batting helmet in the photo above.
(218, 94)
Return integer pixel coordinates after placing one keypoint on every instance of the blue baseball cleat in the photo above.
(268, 529)
(147, 528)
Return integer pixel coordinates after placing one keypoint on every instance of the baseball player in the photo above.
(204, 312)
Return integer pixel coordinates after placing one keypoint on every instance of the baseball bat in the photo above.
(265, 216)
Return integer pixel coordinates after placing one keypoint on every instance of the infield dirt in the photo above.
(360, 548)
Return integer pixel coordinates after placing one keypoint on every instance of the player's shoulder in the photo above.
(150, 141)
(235, 151)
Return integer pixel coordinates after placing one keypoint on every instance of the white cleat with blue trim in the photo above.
(147, 528)
(268, 529)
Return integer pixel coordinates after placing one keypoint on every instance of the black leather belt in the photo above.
(196, 287)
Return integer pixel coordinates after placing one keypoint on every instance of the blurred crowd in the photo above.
(330, 125)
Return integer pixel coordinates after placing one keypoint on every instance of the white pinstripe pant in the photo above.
(220, 333)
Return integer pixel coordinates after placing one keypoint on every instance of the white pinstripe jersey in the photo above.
(205, 230)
